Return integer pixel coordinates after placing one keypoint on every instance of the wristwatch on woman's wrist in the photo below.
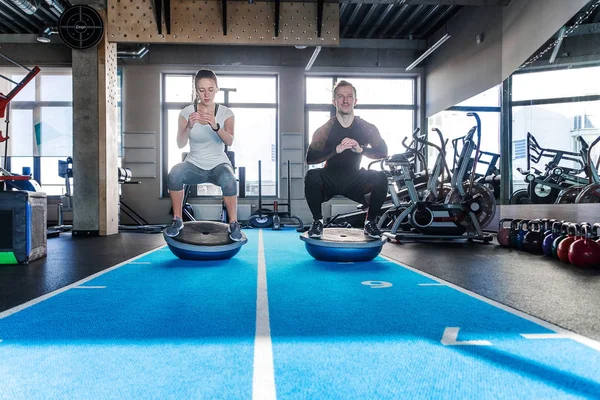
(218, 127)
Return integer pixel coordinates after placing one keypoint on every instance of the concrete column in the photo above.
(95, 153)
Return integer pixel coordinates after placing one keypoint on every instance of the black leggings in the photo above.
(321, 185)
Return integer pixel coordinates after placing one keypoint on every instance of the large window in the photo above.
(388, 103)
(550, 110)
(253, 100)
(41, 125)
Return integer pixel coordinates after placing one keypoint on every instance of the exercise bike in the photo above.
(544, 187)
(589, 193)
(467, 208)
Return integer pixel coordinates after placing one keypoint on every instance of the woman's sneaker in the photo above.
(174, 227)
(371, 230)
(235, 231)
(316, 230)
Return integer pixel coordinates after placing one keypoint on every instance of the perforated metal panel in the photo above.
(194, 21)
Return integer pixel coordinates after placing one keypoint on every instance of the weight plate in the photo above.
(80, 27)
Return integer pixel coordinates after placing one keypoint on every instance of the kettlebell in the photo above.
(503, 236)
(596, 232)
(547, 226)
(523, 229)
(574, 232)
(514, 231)
(563, 235)
(549, 238)
(585, 252)
(532, 240)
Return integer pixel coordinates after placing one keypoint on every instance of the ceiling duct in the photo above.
(133, 54)
(29, 7)
(58, 5)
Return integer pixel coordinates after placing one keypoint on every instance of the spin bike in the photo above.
(589, 193)
(468, 207)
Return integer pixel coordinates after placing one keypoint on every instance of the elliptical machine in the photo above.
(468, 207)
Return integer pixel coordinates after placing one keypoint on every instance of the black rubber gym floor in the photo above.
(69, 260)
(550, 290)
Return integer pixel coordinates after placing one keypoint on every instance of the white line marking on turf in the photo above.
(536, 336)
(451, 334)
(33, 302)
(431, 284)
(89, 287)
(572, 335)
(377, 284)
(263, 379)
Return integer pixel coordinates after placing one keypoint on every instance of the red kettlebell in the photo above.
(585, 252)
(562, 236)
(503, 236)
(532, 240)
(574, 232)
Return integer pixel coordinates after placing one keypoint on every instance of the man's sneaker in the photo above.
(235, 231)
(316, 230)
(174, 227)
(371, 230)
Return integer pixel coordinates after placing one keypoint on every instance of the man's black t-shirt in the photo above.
(327, 137)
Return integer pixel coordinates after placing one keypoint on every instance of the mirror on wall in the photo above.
(555, 109)
(454, 124)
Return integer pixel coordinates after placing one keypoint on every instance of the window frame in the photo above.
(335, 77)
(35, 106)
(534, 102)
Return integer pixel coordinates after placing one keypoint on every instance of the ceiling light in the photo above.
(429, 51)
(46, 32)
(313, 58)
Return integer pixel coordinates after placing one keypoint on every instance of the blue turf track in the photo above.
(160, 327)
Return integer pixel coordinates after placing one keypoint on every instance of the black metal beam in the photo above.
(167, 4)
(8, 4)
(320, 5)
(381, 18)
(440, 20)
(478, 3)
(158, 15)
(277, 11)
(224, 15)
(343, 9)
(409, 21)
(429, 16)
(351, 19)
(49, 17)
(366, 20)
(6, 16)
(399, 16)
